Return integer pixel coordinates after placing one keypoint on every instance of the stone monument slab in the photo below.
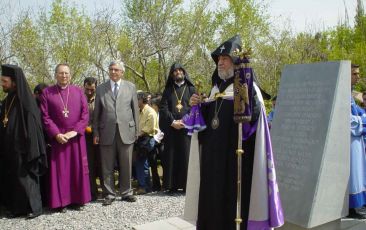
(311, 142)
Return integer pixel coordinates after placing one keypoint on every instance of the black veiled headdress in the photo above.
(23, 91)
(31, 119)
(228, 48)
(170, 79)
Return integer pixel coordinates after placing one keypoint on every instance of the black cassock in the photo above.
(176, 142)
(218, 165)
(20, 168)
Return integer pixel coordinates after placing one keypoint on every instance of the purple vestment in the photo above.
(193, 121)
(68, 166)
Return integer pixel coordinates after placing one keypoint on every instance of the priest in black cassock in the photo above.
(219, 142)
(174, 105)
(217, 202)
(23, 149)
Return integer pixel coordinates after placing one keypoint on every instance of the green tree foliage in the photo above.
(27, 45)
(163, 32)
(57, 37)
(103, 43)
(249, 18)
(151, 35)
(359, 51)
(148, 27)
(68, 32)
(195, 29)
(5, 53)
(346, 43)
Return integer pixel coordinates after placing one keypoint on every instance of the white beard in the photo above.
(226, 74)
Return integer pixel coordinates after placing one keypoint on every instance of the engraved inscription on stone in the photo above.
(303, 106)
(310, 140)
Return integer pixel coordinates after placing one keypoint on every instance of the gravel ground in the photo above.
(118, 215)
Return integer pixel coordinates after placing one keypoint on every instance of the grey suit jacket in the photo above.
(109, 111)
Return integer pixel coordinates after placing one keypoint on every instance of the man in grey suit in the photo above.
(115, 125)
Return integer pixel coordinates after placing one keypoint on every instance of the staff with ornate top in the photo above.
(243, 86)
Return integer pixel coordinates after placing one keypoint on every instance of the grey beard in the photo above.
(224, 75)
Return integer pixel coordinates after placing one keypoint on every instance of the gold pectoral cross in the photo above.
(5, 121)
(179, 106)
(66, 112)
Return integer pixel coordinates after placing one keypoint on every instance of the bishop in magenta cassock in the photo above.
(65, 116)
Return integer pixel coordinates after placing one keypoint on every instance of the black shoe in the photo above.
(172, 191)
(156, 189)
(355, 215)
(61, 210)
(33, 215)
(362, 209)
(107, 201)
(11, 215)
(76, 207)
(129, 198)
(140, 191)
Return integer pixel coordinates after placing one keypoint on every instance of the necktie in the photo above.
(115, 91)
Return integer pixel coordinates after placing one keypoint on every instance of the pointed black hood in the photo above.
(170, 80)
(227, 48)
(23, 91)
(31, 118)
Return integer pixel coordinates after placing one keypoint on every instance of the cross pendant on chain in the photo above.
(65, 112)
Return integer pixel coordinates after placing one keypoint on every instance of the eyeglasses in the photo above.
(114, 70)
(63, 73)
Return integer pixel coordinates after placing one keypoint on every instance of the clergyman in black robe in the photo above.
(219, 142)
(23, 149)
(174, 105)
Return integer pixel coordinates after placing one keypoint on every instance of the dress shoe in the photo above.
(107, 201)
(362, 209)
(140, 191)
(355, 215)
(11, 215)
(33, 215)
(76, 207)
(156, 189)
(129, 198)
(61, 210)
(172, 191)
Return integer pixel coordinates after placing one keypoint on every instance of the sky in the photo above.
(312, 14)
(301, 15)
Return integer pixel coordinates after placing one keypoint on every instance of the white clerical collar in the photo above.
(62, 87)
(180, 83)
(113, 83)
(228, 93)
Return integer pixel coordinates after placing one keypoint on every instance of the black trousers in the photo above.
(153, 162)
